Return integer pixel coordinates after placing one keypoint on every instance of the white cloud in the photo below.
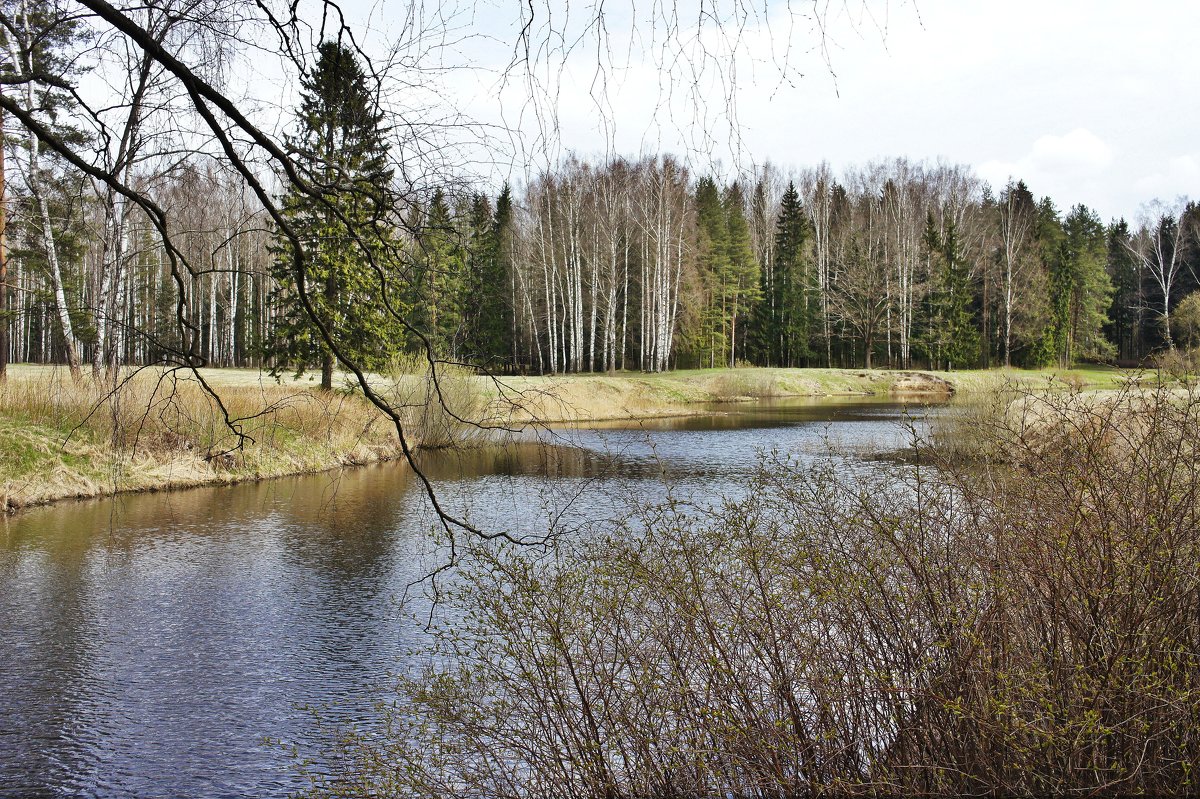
(1188, 165)
(1079, 153)
(1057, 165)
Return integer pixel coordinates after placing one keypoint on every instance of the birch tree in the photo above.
(145, 107)
(1159, 248)
(36, 36)
(1017, 214)
(816, 189)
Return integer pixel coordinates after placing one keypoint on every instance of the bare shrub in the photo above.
(1029, 627)
(1177, 363)
(441, 408)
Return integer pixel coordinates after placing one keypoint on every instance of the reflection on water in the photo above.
(151, 644)
(167, 644)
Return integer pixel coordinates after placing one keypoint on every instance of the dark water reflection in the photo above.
(167, 644)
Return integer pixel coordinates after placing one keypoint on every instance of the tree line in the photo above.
(622, 263)
(632, 264)
(636, 264)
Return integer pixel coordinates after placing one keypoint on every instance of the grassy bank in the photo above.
(634, 395)
(63, 440)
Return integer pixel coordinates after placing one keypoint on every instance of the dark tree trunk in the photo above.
(327, 356)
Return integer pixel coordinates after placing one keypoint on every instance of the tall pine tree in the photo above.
(1084, 256)
(440, 275)
(1125, 312)
(951, 338)
(346, 269)
(796, 282)
(740, 283)
(712, 257)
(785, 317)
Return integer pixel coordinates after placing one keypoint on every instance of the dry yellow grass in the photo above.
(160, 429)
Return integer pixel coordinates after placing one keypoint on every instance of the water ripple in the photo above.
(168, 645)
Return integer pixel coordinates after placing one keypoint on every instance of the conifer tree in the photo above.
(348, 269)
(741, 279)
(1055, 347)
(1076, 255)
(1088, 291)
(488, 305)
(441, 262)
(763, 325)
(962, 351)
(783, 320)
(797, 299)
(1124, 328)
(952, 336)
(1048, 234)
(712, 257)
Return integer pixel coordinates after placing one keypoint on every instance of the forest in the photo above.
(600, 264)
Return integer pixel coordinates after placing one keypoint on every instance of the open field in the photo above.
(61, 440)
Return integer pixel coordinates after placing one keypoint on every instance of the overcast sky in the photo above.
(1089, 101)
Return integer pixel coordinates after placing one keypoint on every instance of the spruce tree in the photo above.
(1084, 254)
(783, 320)
(347, 269)
(1124, 312)
(741, 280)
(488, 304)
(440, 278)
(762, 327)
(1076, 255)
(952, 335)
(962, 349)
(796, 283)
(712, 257)
(1048, 234)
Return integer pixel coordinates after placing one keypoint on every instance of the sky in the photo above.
(1093, 102)
(1088, 101)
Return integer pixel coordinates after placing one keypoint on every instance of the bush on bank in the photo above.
(1026, 624)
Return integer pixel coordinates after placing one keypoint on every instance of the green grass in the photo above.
(878, 380)
(669, 390)
(1090, 376)
(633, 395)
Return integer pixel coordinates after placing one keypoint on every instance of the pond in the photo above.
(175, 644)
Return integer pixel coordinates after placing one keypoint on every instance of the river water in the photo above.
(176, 644)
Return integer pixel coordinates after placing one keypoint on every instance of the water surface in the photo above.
(172, 644)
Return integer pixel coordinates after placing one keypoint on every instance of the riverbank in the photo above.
(580, 398)
(60, 440)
